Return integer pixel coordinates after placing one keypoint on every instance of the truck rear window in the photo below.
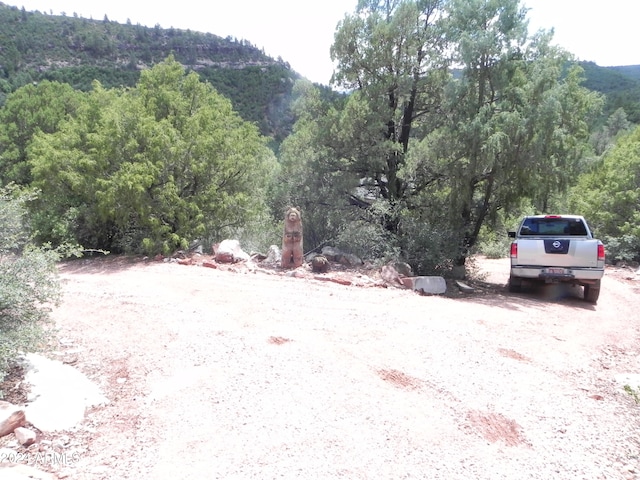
(553, 226)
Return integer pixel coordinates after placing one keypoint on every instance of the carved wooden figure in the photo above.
(292, 252)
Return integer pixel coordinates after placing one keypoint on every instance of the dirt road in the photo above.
(216, 374)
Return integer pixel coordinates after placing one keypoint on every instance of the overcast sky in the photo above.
(301, 31)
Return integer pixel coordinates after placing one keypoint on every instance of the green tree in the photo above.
(516, 128)
(431, 154)
(312, 177)
(609, 196)
(151, 168)
(392, 54)
(603, 138)
(32, 108)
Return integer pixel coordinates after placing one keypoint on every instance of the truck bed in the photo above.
(569, 252)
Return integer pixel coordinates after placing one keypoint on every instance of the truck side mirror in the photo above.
(511, 234)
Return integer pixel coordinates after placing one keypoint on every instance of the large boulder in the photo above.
(331, 253)
(273, 256)
(403, 269)
(11, 417)
(59, 394)
(25, 436)
(334, 254)
(391, 276)
(319, 264)
(350, 260)
(427, 285)
(229, 251)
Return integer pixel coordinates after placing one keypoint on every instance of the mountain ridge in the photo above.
(35, 46)
(75, 50)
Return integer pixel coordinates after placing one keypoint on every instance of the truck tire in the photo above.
(592, 292)
(515, 284)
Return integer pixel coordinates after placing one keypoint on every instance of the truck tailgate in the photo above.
(559, 252)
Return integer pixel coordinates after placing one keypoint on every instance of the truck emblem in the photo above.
(557, 244)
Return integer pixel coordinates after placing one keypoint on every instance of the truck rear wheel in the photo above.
(592, 292)
(515, 284)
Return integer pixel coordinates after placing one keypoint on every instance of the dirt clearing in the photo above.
(222, 374)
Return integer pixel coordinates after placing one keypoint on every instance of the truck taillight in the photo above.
(601, 252)
(514, 250)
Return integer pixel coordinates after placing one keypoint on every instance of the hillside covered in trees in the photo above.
(620, 85)
(36, 46)
(69, 49)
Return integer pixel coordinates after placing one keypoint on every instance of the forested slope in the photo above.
(75, 50)
(78, 51)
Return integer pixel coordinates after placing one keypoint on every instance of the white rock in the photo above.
(61, 393)
(430, 284)
(229, 251)
(25, 436)
(273, 256)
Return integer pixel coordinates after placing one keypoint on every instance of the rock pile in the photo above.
(13, 461)
(331, 264)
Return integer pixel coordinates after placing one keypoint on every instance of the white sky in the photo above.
(301, 31)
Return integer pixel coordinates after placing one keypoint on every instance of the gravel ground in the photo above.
(227, 374)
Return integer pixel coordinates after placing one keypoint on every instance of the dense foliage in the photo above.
(31, 109)
(28, 283)
(424, 158)
(609, 196)
(150, 168)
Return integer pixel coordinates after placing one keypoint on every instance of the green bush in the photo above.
(494, 245)
(625, 248)
(256, 235)
(28, 282)
(430, 247)
(368, 241)
(634, 392)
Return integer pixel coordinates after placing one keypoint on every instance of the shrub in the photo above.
(625, 248)
(255, 235)
(430, 247)
(494, 245)
(634, 392)
(28, 282)
(368, 241)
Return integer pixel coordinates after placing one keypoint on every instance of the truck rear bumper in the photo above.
(575, 275)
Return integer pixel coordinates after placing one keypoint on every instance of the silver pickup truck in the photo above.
(556, 248)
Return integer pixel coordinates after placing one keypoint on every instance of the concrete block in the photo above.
(429, 285)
